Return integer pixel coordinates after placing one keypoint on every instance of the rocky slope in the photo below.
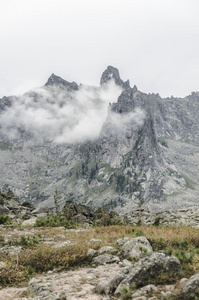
(129, 269)
(146, 153)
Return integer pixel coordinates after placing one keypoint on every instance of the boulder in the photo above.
(109, 286)
(137, 247)
(62, 244)
(12, 250)
(91, 252)
(190, 290)
(149, 268)
(39, 287)
(104, 259)
(123, 240)
(95, 241)
(146, 290)
(30, 222)
(107, 249)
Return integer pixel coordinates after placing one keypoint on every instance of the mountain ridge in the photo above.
(132, 162)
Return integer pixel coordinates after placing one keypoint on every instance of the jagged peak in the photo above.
(58, 81)
(113, 73)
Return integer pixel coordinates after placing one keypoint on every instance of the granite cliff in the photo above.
(145, 154)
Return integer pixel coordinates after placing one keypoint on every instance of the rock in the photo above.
(112, 73)
(146, 290)
(2, 264)
(165, 294)
(95, 241)
(55, 80)
(50, 296)
(122, 241)
(30, 222)
(126, 263)
(42, 215)
(107, 249)
(12, 250)
(104, 259)
(190, 290)
(109, 286)
(91, 252)
(149, 268)
(183, 281)
(4, 210)
(62, 244)
(40, 287)
(137, 247)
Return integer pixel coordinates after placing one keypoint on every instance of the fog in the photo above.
(60, 115)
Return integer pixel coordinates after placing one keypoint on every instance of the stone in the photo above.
(62, 244)
(104, 259)
(146, 290)
(183, 281)
(137, 247)
(12, 250)
(126, 263)
(91, 252)
(40, 287)
(107, 249)
(165, 294)
(30, 222)
(109, 286)
(149, 268)
(42, 215)
(95, 241)
(2, 264)
(122, 241)
(191, 288)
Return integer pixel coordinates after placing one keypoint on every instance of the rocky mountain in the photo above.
(145, 154)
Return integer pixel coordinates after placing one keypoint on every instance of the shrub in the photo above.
(54, 221)
(12, 275)
(28, 241)
(139, 233)
(126, 294)
(185, 258)
(46, 258)
(4, 220)
(183, 244)
(157, 221)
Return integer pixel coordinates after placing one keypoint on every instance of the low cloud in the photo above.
(120, 125)
(59, 115)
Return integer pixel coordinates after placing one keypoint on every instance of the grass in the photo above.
(37, 257)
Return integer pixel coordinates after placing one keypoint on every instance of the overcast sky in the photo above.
(153, 43)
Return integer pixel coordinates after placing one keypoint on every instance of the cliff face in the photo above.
(141, 156)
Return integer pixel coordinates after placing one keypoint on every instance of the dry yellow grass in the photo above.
(42, 257)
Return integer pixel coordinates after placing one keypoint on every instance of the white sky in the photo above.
(153, 43)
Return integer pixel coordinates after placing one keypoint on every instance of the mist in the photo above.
(60, 115)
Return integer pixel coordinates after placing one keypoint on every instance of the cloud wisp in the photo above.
(59, 115)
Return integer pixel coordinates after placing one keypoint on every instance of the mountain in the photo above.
(146, 151)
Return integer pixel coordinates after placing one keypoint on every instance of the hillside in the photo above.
(143, 151)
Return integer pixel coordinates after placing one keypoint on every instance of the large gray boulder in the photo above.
(149, 268)
(137, 247)
(123, 240)
(190, 291)
(104, 259)
(43, 289)
(109, 286)
(40, 287)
